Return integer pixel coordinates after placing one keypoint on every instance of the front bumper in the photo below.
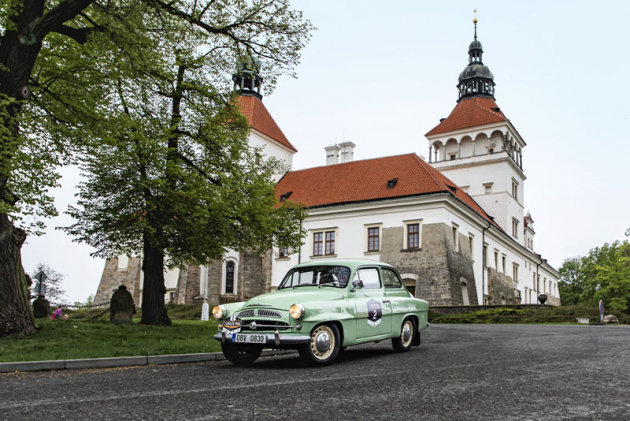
(275, 339)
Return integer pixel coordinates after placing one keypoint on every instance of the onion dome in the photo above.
(476, 79)
(247, 79)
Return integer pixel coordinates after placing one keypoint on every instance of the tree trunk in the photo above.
(16, 313)
(153, 289)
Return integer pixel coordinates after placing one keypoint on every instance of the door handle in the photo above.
(386, 301)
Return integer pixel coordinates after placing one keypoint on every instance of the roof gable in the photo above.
(470, 112)
(370, 180)
(260, 119)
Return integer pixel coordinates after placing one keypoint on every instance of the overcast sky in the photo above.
(382, 74)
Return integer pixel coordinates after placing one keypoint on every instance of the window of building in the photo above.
(282, 252)
(488, 188)
(471, 242)
(324, 242)
(534, 281)
(452, 156)
(318, 243)
(515, 272)
(456, 237)
(525, 290)
(496, 260)
(485, 255)
(229, 280)
(123, 262)
(515, 189)
(330, 243)
(515, 228)
(413, 235)
(503, 256)
(544, 285)
(172, 297)
(373, 238)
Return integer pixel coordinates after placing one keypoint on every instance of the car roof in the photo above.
(351, 263)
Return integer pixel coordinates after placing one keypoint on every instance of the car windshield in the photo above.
(334, 276)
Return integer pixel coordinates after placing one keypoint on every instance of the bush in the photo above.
(541, 314)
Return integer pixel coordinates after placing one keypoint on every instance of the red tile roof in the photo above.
(367, 180)
(260, 119)
(470, 112)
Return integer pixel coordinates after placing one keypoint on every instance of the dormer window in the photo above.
(391, 183)
(284, 197)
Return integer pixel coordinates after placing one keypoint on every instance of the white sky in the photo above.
(382, 74)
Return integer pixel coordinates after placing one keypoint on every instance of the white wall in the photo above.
(349, 221)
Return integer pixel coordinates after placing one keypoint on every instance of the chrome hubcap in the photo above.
(407, 333)
(322, 342)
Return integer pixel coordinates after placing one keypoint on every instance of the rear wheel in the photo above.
(324, 345)
(404, 342)
(244, 355)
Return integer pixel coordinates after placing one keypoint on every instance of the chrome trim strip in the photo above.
(275, 339)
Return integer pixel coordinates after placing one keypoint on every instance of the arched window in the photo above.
(465, 297)
(230, 277)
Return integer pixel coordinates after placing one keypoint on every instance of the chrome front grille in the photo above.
(246, 313)
(264, 325)
(269, 313)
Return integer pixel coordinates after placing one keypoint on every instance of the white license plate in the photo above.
(249, 338)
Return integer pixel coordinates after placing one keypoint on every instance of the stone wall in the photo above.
(254, 274)
(500, 288)
(188, 285)
(439, 269)
(113, 277)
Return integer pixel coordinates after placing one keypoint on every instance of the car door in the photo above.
(373, 309)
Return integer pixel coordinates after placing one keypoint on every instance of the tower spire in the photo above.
(476, 79)
(247, 79)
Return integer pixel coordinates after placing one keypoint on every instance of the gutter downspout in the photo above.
(483, 263)
(300, 249)
(538, 279)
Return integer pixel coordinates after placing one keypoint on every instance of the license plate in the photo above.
(249, 338)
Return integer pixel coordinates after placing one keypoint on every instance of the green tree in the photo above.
(571, 283)
(87, 303)
(55, 76)
(606, 272)
(54, 290)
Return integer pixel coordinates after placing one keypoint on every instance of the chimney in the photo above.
(347, 151)
(332, 154)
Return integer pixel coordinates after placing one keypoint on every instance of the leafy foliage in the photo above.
(571, 283)
(606, 271)
(54, 290)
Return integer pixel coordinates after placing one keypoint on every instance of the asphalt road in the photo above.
(460, 372)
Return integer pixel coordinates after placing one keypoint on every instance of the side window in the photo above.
(390, 279)
(369, 277)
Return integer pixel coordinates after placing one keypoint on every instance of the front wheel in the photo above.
(324, 345)
(404, 342)
(243, 355)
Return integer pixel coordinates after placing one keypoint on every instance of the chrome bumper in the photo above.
(275, 339)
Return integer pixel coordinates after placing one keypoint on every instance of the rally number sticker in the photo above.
(375, 312)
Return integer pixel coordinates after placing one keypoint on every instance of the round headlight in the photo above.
(296, 311)
(218, 312)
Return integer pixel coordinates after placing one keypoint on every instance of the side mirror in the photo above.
(356, 283)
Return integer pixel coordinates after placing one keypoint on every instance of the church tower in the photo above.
(479, 149)
(265, 133)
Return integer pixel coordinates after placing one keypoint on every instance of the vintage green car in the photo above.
(320, 308)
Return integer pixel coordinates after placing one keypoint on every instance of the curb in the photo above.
(121, 361)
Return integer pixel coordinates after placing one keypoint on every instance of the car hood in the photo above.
(285, 298)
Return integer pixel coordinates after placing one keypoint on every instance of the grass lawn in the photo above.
(80, 338)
